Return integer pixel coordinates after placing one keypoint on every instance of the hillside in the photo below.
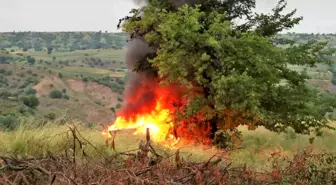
(82, 85)
(89, 83)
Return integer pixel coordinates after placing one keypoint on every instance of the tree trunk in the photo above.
(214, 128)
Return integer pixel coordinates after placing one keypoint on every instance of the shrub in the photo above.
(56, 94)
(3, 81)
(23, 109)
(5, 94)
(65, 96)
(8, 72)
(30, 71)
(50, 116)
(118, 106)
(91, 125)
(60, 75)
(21, 75)
(99, 103)
(8, 122)
(30, 101)
(31, 60)
(226, 139)
(85, 79)
(30, 91)
(113, 110)
(64, 90)
(14, 85)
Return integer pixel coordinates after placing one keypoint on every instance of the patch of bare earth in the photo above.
(102, 93)
(96, 93)
(96, 114)
(47, 83)
(324, 85)
(76, 85)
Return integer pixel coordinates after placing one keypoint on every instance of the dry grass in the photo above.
(254, 151)
(62, 155)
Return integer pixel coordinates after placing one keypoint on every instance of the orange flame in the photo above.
(158, 121)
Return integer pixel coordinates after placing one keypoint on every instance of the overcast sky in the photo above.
(95, 15)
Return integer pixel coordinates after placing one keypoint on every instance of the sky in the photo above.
(96, 15)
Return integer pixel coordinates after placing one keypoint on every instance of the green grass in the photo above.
(259, 144)
(86, 72)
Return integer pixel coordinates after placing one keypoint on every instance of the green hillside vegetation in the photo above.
(22, 70)
(306, 37)
(62, 41)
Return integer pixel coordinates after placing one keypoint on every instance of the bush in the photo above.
(60, 75)
(113, 110)
(21, 75)
(23, 109)
(14, 85)
(30, 101)
(31, 60)
(65, 96)
(56, 94)
(64, 90)
(50, 116)
(30, 71)
(226, 139)
(5, 94)
(30, 91)
(85, 79)
(8, 72)
(118, 106)
(8, 122)
(91, 125)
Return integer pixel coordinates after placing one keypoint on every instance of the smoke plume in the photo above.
(142, 89)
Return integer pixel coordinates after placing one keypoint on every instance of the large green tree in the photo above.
(236, 73)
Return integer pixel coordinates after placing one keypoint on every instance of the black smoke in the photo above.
(140, 94)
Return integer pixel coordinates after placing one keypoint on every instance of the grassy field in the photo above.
(88, 72)
(105, 54)
(254, 150)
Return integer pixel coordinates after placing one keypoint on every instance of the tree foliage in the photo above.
(31, 60)
(30, 101)
(56, 94)
(240, 75)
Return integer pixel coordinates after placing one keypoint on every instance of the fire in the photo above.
(158, 121)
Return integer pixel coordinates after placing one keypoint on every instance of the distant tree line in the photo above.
(62, 41)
